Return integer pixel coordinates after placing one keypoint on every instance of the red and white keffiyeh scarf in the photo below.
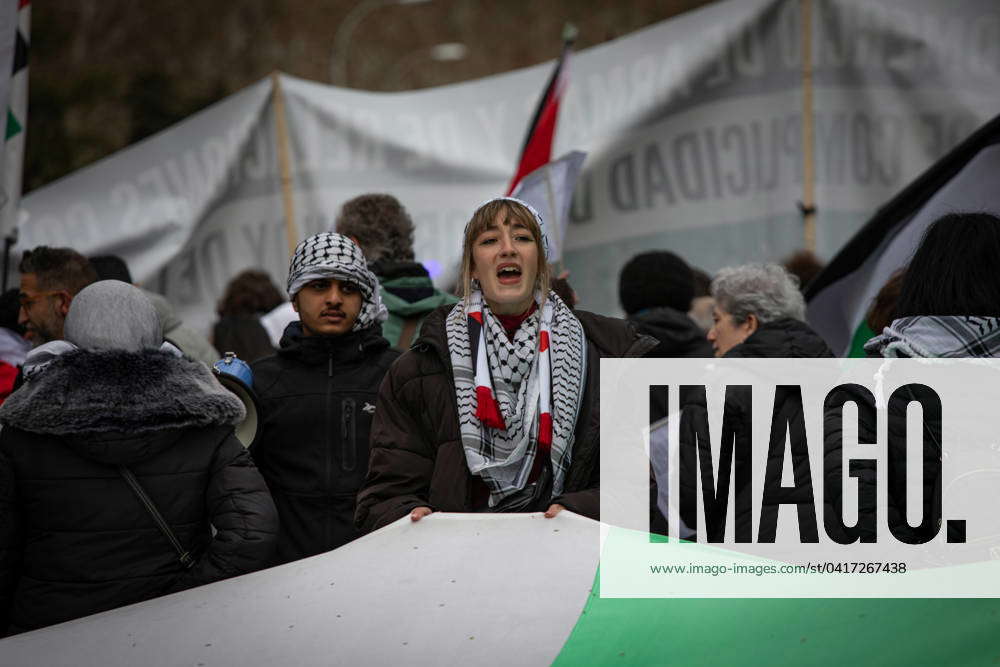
(516, 397)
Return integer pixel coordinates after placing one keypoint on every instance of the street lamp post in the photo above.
(342, 38)
(445, 52)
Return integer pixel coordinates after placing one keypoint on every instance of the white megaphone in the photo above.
(235, 375)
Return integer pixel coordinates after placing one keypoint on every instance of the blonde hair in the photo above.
(485, 216)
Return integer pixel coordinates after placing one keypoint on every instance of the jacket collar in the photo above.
(782, 338)
(349, 347)
(434, 335)
(675, 330)
(387, 269)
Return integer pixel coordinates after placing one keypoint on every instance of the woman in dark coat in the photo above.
(75, 539)
(758, 313)
(495, 406)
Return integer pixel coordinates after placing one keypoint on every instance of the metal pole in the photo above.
(342, 38)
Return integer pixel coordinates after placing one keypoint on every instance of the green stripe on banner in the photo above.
(13, 127)
(911, 632)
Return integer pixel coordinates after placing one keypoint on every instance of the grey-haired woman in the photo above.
(759, 312)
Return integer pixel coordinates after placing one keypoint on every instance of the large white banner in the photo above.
(408, 594)
(693, 130)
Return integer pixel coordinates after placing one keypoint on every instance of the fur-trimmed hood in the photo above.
(117, 396)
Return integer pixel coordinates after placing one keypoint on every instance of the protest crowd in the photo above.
(142, 455)
(121, 476)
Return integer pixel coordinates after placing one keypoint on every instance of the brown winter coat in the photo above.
(417, 457)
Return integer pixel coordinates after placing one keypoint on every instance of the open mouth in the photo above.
(509, 274)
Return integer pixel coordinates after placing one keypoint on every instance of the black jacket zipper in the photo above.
(329, 445)
(348, 434)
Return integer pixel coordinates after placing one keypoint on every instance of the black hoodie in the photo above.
(317, 400)
(678, 335)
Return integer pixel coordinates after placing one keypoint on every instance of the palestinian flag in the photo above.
(537, 149)
(964, 180)
(17, 117)
(498, 589)
(549, 189)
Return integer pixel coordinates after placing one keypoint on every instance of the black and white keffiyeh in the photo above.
(516, 397)
(938, 336)
(334, 256)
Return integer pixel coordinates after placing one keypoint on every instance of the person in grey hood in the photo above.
(109, 402)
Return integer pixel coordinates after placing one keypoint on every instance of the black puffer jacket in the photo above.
(784, 338)
(417, 455)
(317, 399)
(74, 539)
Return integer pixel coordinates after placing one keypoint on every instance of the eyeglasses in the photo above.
(26, 300)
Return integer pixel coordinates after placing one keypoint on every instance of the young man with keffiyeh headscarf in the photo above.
(495, 407)
(317, 395)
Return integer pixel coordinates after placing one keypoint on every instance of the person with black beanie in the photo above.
(655, 289)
